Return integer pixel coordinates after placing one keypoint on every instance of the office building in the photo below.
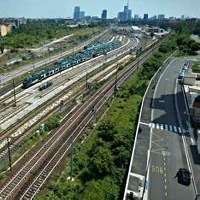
(161, 16)
(104, 14)
(76, 12)
(82, 15)
(145, 17)
(125, 15)
(136, 17)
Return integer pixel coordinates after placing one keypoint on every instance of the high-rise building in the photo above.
(136, 17)
(161, 16)
(129, 14)
(81, 14)
(104, 14)
(145, 17)
(125, 15)
(76, 12)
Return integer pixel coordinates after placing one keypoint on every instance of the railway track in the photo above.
(7, 99)
(7, 92)
(16, 126)
(15, 143)
(38, 163)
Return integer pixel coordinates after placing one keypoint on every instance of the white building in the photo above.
(136, 31)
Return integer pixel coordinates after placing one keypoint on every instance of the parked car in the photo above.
(184, 176)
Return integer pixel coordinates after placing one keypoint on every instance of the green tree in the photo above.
(106, 130)
(102, 162)
(93, 190)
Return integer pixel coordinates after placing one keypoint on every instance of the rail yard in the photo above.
(65, 86)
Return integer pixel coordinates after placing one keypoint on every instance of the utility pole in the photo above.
(86, 83)
(14, 92)
(115, 87)
(9, 154)
(33, 63)
(72, 144)
(94, 114)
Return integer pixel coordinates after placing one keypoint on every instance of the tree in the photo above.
(183, 28)
(106, 130)
(93, 191)
(102, 162)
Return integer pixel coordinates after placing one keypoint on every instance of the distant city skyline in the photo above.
(65, 8)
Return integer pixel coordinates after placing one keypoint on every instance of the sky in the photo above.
(64, 8)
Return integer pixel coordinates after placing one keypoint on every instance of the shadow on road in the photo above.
(167, 115)
(195, 155)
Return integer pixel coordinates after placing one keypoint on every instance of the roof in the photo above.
(136, 28)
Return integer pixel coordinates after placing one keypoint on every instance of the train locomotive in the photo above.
(88, 52)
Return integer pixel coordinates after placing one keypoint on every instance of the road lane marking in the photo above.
(143, 123)
(165, 127)
(161, 170)
(157, 169)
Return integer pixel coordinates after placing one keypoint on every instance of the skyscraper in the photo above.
(104, 14)
(145, 17)
(76, 12)
(125, 15)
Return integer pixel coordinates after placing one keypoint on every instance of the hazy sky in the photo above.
(64, 8)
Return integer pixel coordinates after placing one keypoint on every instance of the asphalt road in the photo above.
(167, 146)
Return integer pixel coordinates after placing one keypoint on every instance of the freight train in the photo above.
(88, 52)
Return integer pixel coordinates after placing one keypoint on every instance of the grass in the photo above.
(196, 67)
